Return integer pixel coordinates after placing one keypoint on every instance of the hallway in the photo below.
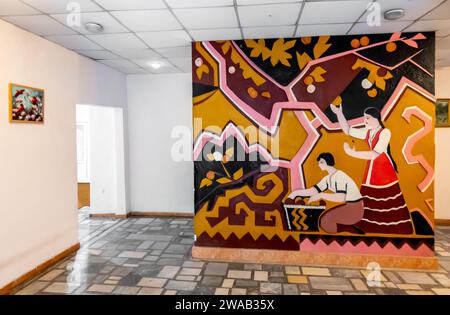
(152, 256)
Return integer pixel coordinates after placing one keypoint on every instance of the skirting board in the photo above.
(109, 215)
(39, 269)
(143, 214)
(162, 214)
(268, 256)
(442, 221)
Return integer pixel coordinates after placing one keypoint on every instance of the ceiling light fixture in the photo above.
(154, 65)
(394, 14)
(93, 27)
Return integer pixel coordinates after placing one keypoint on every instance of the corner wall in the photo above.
(156, 104)
(38, 181)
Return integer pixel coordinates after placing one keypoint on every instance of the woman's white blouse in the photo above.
(383, 141)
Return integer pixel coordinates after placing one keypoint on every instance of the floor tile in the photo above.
(228, 283)
(416, 277)
(330, 283)
(270, 288)
(150, 291)
(131, 254)
(152, 282)
(222, 291)
(261, 275)
(216, 269)
(168, 272)
(51, 275)
(101, 288)
(181, 285)
(239, 274)
(61, 288)
(313, 271)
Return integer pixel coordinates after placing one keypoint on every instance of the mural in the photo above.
(315, 144)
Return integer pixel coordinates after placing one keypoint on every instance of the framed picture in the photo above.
(26, 104)
(442, 113)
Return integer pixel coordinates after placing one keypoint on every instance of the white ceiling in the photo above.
(139, 32)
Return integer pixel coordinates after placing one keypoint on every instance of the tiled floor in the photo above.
(152, 256)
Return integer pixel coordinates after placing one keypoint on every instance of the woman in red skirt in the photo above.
(385, 210)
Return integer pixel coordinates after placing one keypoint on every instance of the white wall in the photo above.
(38, 179)
(106, 160)
(156, 104)
(442, 182)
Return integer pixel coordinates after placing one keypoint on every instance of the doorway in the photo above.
(100, 160)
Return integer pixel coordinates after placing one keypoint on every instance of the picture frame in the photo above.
(26, 104)
(442, 112)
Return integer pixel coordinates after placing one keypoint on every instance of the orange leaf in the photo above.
(205, 182)
(411, 43)
(395, 36)
(238, 174)
(223, 180)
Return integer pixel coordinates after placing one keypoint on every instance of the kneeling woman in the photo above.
(341, 189)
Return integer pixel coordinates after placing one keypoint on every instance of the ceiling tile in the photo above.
(252, 2)
(136, 53)
(131, 4)
(184, 64)
(414, 9)
(74, 42)
(110, 25)
(134, 71)
(39, 24)
(15, 7)
(269, 31)
(62, 6)
(442, 27)
(123, 66)
(175, 52)
(385, 27)
(98, 54)
(322, 29)
(198, 3)
(118, 41)
(147, 20)
(265, 15)
(441, 12)
(204, 18)
(118, 63)
(165, 39)
(216, 34)
(324, 12)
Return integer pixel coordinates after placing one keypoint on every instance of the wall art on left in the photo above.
(26, 104)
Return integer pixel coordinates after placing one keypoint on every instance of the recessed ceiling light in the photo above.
(394, 14)
(154, 65)
(93, 27)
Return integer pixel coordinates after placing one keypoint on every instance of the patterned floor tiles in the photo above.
(152, 256)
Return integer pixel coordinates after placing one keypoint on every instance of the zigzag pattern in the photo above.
(414, 243)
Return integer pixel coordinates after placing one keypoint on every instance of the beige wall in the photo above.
(38, 184)
(442, 182)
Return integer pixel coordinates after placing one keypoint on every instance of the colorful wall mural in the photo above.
(315, 144)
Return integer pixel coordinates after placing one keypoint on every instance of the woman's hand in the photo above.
(314, 198)
(336, 109)
(350, 151)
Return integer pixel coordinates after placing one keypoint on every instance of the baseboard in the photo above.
(162, 214)
(39, 269)
(285, 257)
(442, 221)
(109, 215)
